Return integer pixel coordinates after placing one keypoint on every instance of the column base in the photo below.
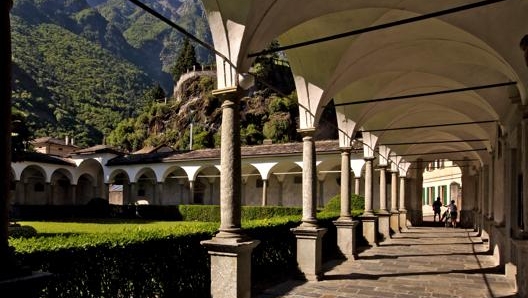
(403, 220)
(370, 229)
(395, 222)
(310, 251)
(230, 267)
(346, 238)
(384, 226)
(466, 218)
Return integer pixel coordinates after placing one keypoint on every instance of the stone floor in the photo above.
(420, 262)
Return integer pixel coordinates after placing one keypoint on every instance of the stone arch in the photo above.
(207, 186)
(144, 188)
(251, 193)
(61, 188)
(119, 187)
(329, 180)
(286, 178)
(35, 188)
(94, 169)
(85, 189)
(175, 186)
(252, 183)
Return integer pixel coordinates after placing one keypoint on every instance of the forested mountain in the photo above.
(94, 70)
(82, 66)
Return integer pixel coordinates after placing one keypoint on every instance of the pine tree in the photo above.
(185, 61)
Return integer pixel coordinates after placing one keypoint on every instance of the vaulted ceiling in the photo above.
(436, 78)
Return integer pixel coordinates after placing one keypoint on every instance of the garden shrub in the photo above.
(18, 231)
(257, 212)
(166, 262)
(357, 204)
(143, 263)
(211, 213)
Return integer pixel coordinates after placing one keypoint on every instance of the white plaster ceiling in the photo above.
(459, 50)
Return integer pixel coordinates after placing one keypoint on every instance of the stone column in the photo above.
(159, 193)
(73, 193)
(243, 195)
(383, 214)
(368, 220)
(281, 182)
(20, 191)
(491, 185)
(309, 180)
(106, 191)
(345, 185)
(181, 183)
(211, 190)
(6, 254)
(48, 190)
(395, 215)
(309, 235)
(132, 194)
(524, 169)
(264, 192)
(368, 187)
(346, 227)
(485, 189)
(191, 192)
(403, 210)
(230, 249)
(357, 183)
(320, 197)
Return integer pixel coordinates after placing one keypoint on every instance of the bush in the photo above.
(267, 212)
(143, 263)
(357, 204)
(18, 231)
(211, 213)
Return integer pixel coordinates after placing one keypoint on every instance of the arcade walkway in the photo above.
(421, 262)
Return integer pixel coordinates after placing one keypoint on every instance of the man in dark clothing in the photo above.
(436, 208)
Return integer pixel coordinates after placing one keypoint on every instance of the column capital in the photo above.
(369, 158)
(225, 91)
(306, 132)
(382, 167)
(345, 149)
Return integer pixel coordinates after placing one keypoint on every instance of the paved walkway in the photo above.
(421, 262)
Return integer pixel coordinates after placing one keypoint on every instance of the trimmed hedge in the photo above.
(211, 213)
(18, 231)
(142, 263)
(357, 204)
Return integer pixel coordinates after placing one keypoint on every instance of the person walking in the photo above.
(453, 212)
(436, 209)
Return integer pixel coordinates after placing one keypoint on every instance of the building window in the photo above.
(442, 193)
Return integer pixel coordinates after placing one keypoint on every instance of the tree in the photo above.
(185, 61)
(20, 134)
(156, 92)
